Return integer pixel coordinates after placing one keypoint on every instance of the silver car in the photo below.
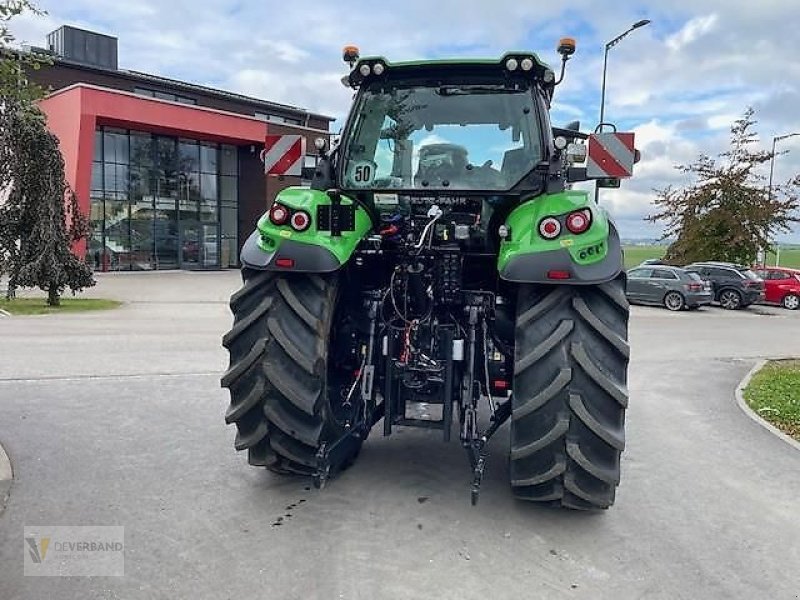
(671, 287)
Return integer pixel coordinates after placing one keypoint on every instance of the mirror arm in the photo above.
(564, 59)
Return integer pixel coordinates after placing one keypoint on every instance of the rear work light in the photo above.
(300, 220)
(279, 214)
(549, 228)
(579, 221)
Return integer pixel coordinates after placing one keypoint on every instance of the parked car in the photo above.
(671, 287)
(652, 261)
(734, 286)
(782, 286)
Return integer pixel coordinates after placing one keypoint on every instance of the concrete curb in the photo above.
(753, 414)
(6, 478)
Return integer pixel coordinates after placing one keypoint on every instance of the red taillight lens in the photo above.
(549, 228)
(559, 275)
(300, 220)
(285, 263)
(279, 214)
(694, 287)
(579, 221)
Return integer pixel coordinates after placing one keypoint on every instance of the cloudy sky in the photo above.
(679, 82)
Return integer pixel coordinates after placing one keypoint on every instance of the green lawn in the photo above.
(774, 393)
(634, 255)
(38, 306)
(790, 257)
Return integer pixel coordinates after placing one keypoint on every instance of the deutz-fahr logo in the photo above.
(591, 251)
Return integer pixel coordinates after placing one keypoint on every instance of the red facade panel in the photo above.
(74, 112)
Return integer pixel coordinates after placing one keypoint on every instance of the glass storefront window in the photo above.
(141, 145)
(228, 160)
(96, 254)
(116, 180)
(189, 152)
(98, 146)
(97, 177)
(227, 190)
(156, 202)
(115, 146)
(209, 198)
(208, 158)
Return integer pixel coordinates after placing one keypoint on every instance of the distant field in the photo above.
(634, 255)
(790, 257)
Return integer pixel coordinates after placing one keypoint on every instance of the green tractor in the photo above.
(440, 272)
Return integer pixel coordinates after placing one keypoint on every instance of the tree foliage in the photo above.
(13, 80)
(39, 214)
(727, 213)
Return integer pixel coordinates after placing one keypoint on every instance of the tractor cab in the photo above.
(446, 126)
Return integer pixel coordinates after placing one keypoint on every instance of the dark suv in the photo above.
(734, 286)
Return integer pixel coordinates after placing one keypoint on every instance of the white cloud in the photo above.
(691, 32)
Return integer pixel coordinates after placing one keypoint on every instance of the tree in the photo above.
(39, 219)
(727, 212)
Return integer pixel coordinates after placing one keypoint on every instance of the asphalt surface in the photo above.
(116, 418)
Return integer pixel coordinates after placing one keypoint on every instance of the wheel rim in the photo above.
(791, 302)
(673, 301)
(729, 300)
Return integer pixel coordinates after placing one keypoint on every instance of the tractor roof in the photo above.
(364, 70)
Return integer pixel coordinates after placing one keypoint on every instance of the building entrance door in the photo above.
(190, 244)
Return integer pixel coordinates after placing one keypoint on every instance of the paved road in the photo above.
(116, 419)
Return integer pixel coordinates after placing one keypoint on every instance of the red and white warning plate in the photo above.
(283, 155)
(610, 155)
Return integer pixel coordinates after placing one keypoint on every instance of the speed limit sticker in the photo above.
(361, 173)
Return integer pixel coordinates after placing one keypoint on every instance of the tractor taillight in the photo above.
(549, 228)
(300, 220)
(579, 221)
(559, 275)
(279, 214)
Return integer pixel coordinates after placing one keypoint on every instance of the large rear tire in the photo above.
(279, 369)
(570, 394)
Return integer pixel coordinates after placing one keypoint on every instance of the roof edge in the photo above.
(99, 88)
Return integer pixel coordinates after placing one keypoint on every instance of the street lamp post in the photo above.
(775, 140)
(609, 46)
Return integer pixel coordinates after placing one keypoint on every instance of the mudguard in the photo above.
(592, 257)
(281, 248)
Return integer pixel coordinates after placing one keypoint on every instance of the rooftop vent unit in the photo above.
(84, 47)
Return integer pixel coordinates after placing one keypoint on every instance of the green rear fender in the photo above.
(309, 251)
(591, 257)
